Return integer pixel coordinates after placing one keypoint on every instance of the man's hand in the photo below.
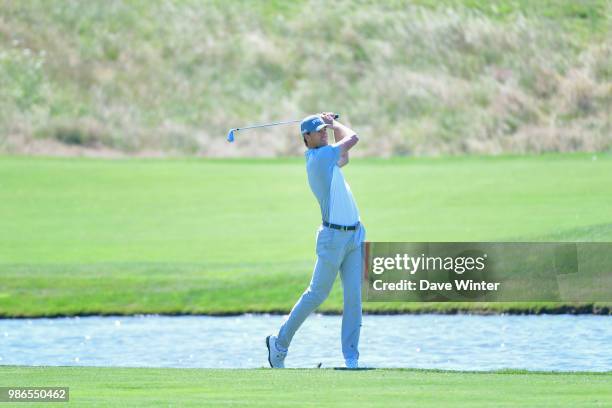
(328, 117)
(345, 137)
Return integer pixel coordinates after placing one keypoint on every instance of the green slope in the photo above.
(248, 211)
(229, 236)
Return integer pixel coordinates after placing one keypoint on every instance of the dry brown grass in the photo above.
(173, 77)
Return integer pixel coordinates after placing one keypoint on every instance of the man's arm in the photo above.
(344, 136)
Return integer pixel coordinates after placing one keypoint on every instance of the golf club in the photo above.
(230, 134)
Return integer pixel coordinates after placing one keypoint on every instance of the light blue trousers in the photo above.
(336, 250)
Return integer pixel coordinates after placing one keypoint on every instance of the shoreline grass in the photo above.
(177, 290)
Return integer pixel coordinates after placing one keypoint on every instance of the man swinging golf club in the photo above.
(339, 239)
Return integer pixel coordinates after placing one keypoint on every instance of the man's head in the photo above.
(314, 131)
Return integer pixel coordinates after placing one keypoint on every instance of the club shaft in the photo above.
(336, 116)
(269, 124)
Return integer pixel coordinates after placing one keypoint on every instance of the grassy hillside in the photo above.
(153, 387)
(413, 77)
(84, 236)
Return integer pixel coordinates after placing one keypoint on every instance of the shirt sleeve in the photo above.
(328, 156)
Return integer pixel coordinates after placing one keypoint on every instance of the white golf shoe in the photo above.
(351, 363)
(276, 357)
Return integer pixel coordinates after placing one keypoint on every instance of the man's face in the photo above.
(317, 139)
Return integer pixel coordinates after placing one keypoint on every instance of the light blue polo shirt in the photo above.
(328, 185)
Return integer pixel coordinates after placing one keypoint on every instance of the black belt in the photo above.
(341, 227)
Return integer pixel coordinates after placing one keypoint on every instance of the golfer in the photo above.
(339, 239)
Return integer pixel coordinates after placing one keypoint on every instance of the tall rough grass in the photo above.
(412, 77)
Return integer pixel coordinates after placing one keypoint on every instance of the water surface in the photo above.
(457, 342)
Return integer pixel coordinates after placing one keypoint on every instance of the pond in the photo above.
(456, 342)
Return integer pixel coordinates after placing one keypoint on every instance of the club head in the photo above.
(230, 136)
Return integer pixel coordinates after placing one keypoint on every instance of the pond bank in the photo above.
(483, 309)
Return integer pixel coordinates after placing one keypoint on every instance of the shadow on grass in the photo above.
(354, 369)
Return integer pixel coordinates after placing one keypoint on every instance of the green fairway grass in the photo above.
(85, 236)
(156, 387)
